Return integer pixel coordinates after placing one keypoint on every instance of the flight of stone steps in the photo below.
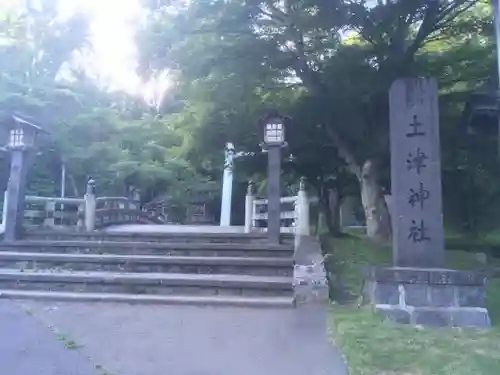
(168, 268)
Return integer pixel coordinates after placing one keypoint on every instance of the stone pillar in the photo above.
(310, 283)
(16, 195)
(4, 210)
(274, 194)
(50, 209)
(418, 289)
(302, 227)
(90, 206)
(137, 199)
(80, 219)
(249, 199)
(227, 186)
(417, 215)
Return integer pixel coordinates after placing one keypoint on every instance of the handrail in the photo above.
(81, 213)
(35, 198)
(282, 200)
(43, 211)
(286, 215)
(115, 199)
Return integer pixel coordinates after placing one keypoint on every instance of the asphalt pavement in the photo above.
(28, 347)
(194, 340)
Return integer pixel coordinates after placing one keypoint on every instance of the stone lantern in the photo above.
(273, 127)
(20, 139)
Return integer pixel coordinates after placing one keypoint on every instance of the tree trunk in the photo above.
(73, 185)
(378, 221)
(331, 210)
(334, 204)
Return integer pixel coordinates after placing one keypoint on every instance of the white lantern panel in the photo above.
(274, 133)
(16, 137)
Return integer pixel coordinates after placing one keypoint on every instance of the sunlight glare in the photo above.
(112, 28)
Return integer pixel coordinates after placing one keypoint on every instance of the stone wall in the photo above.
(429, 297)
(310, 282)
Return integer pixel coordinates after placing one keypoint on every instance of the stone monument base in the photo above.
(310, 283)
(429, 297)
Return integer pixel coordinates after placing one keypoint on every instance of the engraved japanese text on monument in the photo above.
(415, 174)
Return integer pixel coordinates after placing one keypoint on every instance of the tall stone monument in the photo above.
(418, 289)
(417, 216)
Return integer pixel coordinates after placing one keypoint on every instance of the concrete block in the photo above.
(385, 294)
(442, 295)
(471, 317)
(416, 294)
(432, 317)
(470, 296)
(394, 314)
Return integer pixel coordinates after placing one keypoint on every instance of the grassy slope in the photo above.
(375, 347)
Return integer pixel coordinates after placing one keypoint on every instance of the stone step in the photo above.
(151, 248)
(147, 263)
(284, 302)
(153, 237)
(146, 283)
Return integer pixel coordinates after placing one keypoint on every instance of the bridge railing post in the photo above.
(136, 198)
(80, 221)
(50, 209)
(249, 207)
(90, 206)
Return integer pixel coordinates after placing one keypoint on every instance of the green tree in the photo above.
(116, 138)
(333, 60)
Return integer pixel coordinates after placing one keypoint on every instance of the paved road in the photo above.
(188, 340)
(27, 347)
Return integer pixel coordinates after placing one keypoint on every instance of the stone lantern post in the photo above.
(274, 141)
(21, 137)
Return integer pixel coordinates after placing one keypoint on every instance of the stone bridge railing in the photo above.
(121, 210)
(91, 212)
(52, 212)
(294, 212)
(83, 214)
(288, 214)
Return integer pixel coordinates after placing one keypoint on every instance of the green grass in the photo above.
(373, 346)
(68, 342)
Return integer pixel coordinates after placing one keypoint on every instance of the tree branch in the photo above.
(343, 151)
(276, 15)
(312, 82)
(365, 36)
(445, 17)
(364, 24)
(426, 28)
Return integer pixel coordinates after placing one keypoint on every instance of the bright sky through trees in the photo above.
(112, 27)
(112, 31)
